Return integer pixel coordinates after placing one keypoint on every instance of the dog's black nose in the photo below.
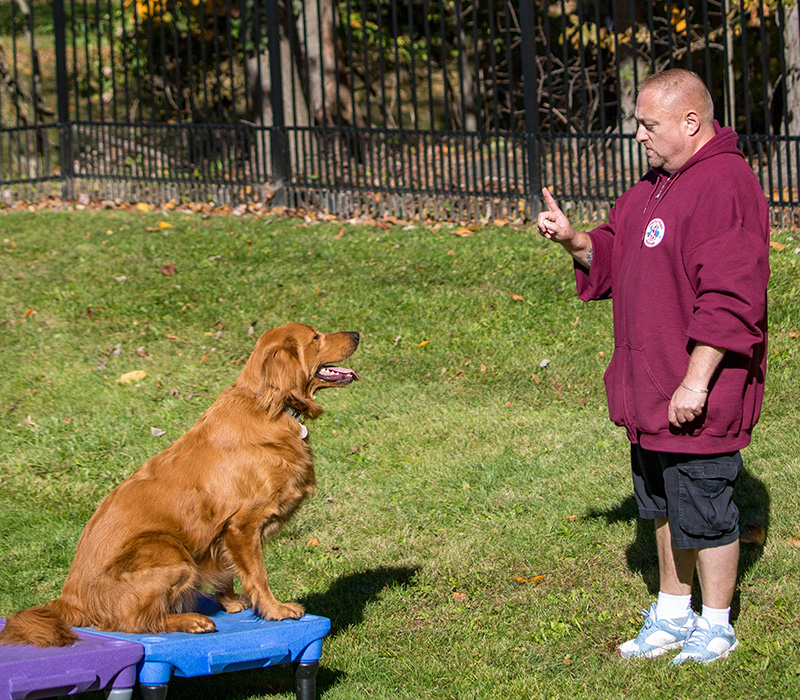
(355, 336)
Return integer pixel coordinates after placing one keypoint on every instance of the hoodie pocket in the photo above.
(650, 399)
(617, 385)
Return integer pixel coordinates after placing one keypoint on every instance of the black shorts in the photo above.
(694, 492)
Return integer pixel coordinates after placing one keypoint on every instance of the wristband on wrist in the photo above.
(696, 391)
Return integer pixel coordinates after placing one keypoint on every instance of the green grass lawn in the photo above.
(473, 534)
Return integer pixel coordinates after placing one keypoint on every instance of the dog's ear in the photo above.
(284, 381)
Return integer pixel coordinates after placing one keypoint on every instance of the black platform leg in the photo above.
(153, 692)
(306, 680)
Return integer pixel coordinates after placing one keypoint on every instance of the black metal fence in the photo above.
(454, 109)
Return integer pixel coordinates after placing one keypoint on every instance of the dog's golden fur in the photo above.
(197, 513)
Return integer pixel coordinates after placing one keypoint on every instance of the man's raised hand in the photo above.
(552, 223)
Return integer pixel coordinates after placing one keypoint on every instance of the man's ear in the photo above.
(692, 122)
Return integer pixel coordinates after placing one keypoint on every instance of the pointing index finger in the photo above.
(551, 203)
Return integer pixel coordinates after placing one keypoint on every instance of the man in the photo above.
(685, 257)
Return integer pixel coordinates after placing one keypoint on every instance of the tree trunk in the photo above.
(295, 113)
(631, 68)
(330, 95)
(791, 38)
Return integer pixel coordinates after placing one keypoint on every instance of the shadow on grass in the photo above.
(345, 600)
(343, 603)
(753, 501)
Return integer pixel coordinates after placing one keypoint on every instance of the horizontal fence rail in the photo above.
(447, 109)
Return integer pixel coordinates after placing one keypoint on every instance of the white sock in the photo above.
(717, 616)
(673, 607)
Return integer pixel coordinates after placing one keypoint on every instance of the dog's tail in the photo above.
(42, 626)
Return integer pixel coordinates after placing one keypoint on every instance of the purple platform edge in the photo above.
(93, 663)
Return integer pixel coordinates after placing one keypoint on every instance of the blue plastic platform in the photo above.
(242, 641)
(93, 663)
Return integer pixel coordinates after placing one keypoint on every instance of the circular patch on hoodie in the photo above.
(654, 233)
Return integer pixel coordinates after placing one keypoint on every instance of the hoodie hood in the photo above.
(725, 140)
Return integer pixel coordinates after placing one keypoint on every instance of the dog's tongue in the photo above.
(337, 374)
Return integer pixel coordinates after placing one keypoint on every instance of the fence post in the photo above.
(279, 142)
(528, 27)
(65, 146)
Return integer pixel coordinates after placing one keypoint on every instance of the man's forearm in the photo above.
(702, 364)
(579, 246)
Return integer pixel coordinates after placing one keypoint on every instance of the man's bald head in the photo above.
(681, 91)
(676, 117)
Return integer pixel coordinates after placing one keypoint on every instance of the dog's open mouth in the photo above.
(336, 375)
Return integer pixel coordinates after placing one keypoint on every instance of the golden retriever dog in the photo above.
(196, 514)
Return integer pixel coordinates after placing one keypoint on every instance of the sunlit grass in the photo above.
(473, 533)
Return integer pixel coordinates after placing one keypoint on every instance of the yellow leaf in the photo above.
(313, 542)
(163, 224)
(776, 245)
(533, 579)
(130, 377)
(463, 232)
(423, 343)
(144, 206)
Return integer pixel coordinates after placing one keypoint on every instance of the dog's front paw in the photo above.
(193, 623)
(282, 611)
(232, 603)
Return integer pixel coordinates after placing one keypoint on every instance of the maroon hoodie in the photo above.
(686, 259)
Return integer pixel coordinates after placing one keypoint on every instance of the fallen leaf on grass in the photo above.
(30, 423)
(144, 206)
(776, 245)
(157, 432)
(167, 270)
(753, 534)
(459, 596)
(163, 224)
(517, 297)
(313, 542)
(130, 377)
(795, 542)
(423, 343)
(463, 232)
(533, 579)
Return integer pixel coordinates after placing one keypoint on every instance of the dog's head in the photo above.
(292, 362)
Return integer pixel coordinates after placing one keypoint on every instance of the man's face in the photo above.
(662, 131)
